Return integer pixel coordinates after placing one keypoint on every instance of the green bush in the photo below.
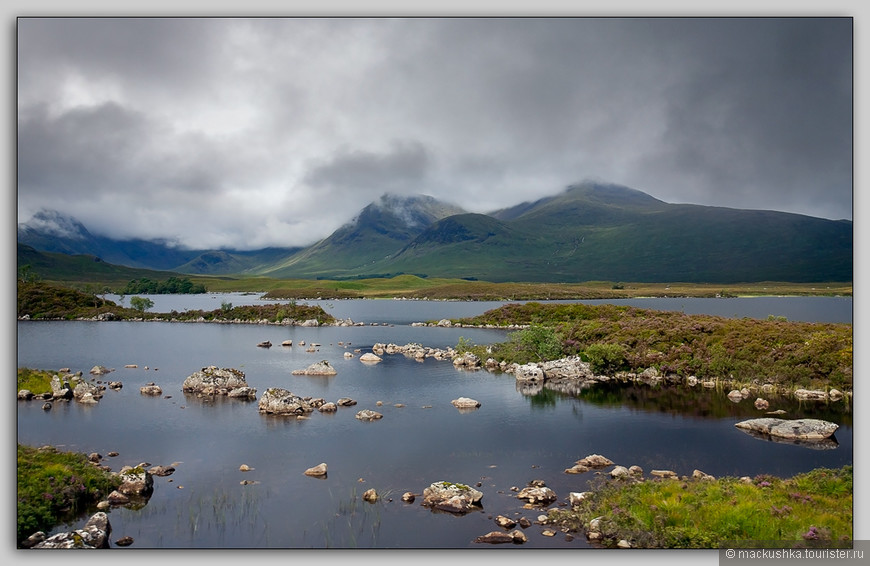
(606, 358)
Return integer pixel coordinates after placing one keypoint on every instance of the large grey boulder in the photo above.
(529, 373)
(452, 497)
(567, 368)
(320, 368)
(278, 401)
(136, 481)
(95, 534)
(799, 429)
(61, 389)
(212, 380)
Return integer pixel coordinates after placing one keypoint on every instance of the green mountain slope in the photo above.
(379, 230)
(612, 233)
(61, 267)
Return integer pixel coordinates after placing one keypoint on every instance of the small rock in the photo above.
(124, 541)
(317, 471)
(505, 522)
(619, 472)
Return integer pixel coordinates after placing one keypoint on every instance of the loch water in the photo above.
(510, 440)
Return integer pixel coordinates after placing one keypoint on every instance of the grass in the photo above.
(44, 301)
(814, 508)
(54, 486)
(619, 338)
(34, 380)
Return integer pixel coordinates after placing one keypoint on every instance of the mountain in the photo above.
(378, 231)
(588, 232)
(51, 231)
(604, 232)
(84, 268)
(596, 231)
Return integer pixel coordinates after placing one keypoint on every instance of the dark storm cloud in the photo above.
(237, 132)
(403, 165)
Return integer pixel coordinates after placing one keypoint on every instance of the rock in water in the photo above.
(801, 429)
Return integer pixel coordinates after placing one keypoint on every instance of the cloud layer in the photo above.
(246, 133)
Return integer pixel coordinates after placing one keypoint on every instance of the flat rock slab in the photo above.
(800, 429)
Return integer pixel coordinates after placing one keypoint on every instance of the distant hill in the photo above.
(88, 269)
(588, 232)
(51, 231)
(374, 234)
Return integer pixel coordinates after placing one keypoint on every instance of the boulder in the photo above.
(60, 389)
(151, 389)
(567, 368)
(264, 344)
(320, 368)
(243, 393)
(317, 471)
(95, 534)
(501, 537)
(85, 392)
(811, 395)
(345, 402)
(576, 497)
(369, 415)
(595, 461)
(505, 522)
(212, 380)
(801, 429)
(529, 373)
(467, 360)
(465, 403)
(761, 404)
(577, 469)
(278, 401)
(619, 472)
(161, 471)
(452, 497)
(136, 481)
(735, 396)
(537, 495)
(370, 495)
(369, 357)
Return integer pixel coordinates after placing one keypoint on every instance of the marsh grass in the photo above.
(55, 487)
(355, 522)
(225, 512)
(810, 508)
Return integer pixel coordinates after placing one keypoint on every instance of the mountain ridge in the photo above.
(588, 231)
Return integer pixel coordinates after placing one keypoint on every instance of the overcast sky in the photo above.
(247, 133)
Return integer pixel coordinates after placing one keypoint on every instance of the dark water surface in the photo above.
(510, 440)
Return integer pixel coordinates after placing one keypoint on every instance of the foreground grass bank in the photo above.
(814, 508)
(56, 486)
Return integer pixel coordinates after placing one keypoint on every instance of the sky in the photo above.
(244, 133)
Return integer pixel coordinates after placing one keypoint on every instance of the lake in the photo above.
(509, 441)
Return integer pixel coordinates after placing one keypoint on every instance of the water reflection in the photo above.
(829, 443)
